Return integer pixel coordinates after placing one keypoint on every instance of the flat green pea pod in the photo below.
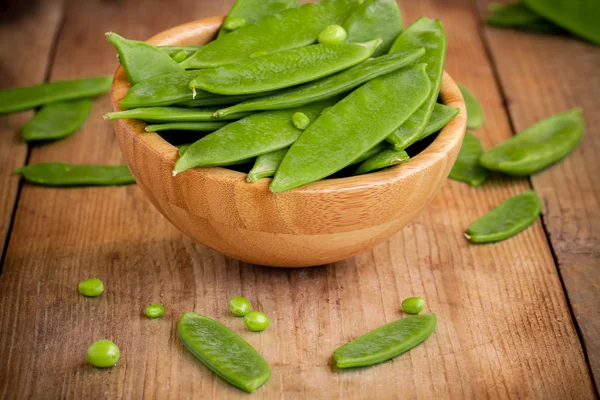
(179, 56)
(518, 15)
(222, 351)
(141, 60)
(249, 137)
(352, 126)
(266, 165)
(467, 167)
(329, 86)
(375, 19)
(182, 148)
(538, 146)
(57, 120)
(283, 69)
(189, 49)
(440, 117)
(429, 34)
(169, 114)
(384, 159)
(386, 342)
(26, 98)
(509, 218)
(474, 110)
(203, 126)
(245, 12)
(63, 174)
(289, 29)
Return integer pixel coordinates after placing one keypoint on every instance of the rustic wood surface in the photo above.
(505, 322)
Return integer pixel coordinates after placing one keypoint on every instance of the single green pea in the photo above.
(413, 305)
(154, 311)
(300, 120)
(240, 306)
(256, 321)
(91, 287)
(231, 24)
(332, 34)
(103, 354)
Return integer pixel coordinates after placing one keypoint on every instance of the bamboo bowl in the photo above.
(320, 223)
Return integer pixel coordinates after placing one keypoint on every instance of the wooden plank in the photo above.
(26, 38)
(504, 330)
(542, 75)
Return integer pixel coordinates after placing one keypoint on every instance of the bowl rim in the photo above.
(187, 33)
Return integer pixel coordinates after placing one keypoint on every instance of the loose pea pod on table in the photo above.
(518, 15)
(246, 12)
(202, 126)
(169, 114)
(467, 167)
(384, 159)
(57, 120)
(63, 174)
(474, 110)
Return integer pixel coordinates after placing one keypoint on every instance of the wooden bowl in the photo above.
(320, 223)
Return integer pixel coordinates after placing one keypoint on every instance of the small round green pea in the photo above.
(103, 354)
(332, 34)
(154, 311)
(91, 287)
(256, 321)
(234, 23)
(240, 306)
(300, 120)
(413, 305)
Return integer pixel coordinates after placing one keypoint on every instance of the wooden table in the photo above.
(518, 319)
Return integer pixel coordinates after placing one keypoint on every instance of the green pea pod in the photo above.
(386, 342)
(375, 19)
(538, 146)
(169, 114)
(266, 165)
(518, 15)
(289, 29)
(179, 56)
(329, 86)
(283, 69)
(57, 120)
(253, 10)
(63, 174)
(189, 50)
(467, 168)
(509, 218)
(249, 137)
(440, 117)
(384, 159)
(206, 126)
(370, 153)
(141, 60)
(429, 34)
(26, 98)
(182, 148)
(222, 351)
(474, 109)
(351, 127)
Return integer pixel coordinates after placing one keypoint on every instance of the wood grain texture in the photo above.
(504, 326)
(543, 75)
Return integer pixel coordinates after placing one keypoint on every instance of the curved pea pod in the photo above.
(429, 34)
(329, 86)
(384, 159)
(375, 19)
(64, 174)
(283, 69)
(57, 120)
(266, 165)
(26, 98)
(141, 60)
(538, 146)
(250, 11)
(203, 126)
(518, 15)
(169, 114)
(249, 137)
(467, 167)
(289, 29)
(509, 218)
(386, 342)
(222, 351)
(348, 129)
(189, 49)
(440, 117)
(474, 110)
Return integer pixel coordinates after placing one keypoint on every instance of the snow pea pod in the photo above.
(429, 34)
(57, 120)
(179, 56)
(141, 60)
(509, 218)
(26, 98)
(440, 117)
(518, 15)
(384, 159)
(289, 29)
(250, 11)
(222, 351)
(329, 86)
(169, 114)
(474, 109)
(467, 168)
(63, 174)
(203, 126)
(386, 342)
(266, 165)
(348, 129)
(189, 50)
(538, 146)
(375, 19)
(283, 69)
(182, 148)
